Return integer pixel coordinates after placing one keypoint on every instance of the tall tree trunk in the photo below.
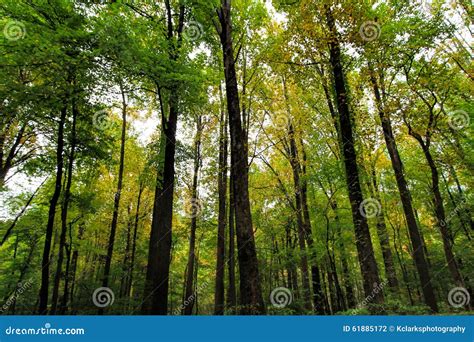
(65, 298)
(365, 250)
(292, 155)
(118, 194)
(439, 212)
(251, 300)
(231, 291)
(189, 298)
(75, 257)
(64, 210)
(342, 251)
(302, 232)
(222, 192)
(159, 252)
(405, 197)
(455, 204)
(134, 239)
(126, 257)
(382, 233)
(318, 295)
(463, 198)
(43, 294)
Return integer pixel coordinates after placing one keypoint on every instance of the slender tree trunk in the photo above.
(302, 233)
(318, 295)
(463, 198)
(44, 289)
(365, 250)
(75, 256)
(126, 257)
(231, 291)
(405, 197)
(189, 298)
(134, 240)
(65, 298)
(222, 190)
(342, 251)
(118, 194)
(384, 239)
(251, 300)
(155, 300)
(440, 213)
(64, 211)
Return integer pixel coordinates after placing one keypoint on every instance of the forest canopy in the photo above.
(250, 157)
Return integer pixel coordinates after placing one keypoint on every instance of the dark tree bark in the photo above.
(222, 193)
(318, 295)
(134, 239)
(302, 231)
(44, 289)
(466, 210)
(155, 299)
(342, 251)
(126, 255)
(439, 206)
(64, 210)
(67, 275)
(405, 197)
(75, 257)
(292, 156)
(118, 194)
(251, 300)
(189, 298)
(384, 238)
(365, 250)
(231, 291)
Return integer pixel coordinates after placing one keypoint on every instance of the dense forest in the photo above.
(218, 157)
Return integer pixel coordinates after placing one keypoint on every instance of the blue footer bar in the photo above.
(237, 328)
